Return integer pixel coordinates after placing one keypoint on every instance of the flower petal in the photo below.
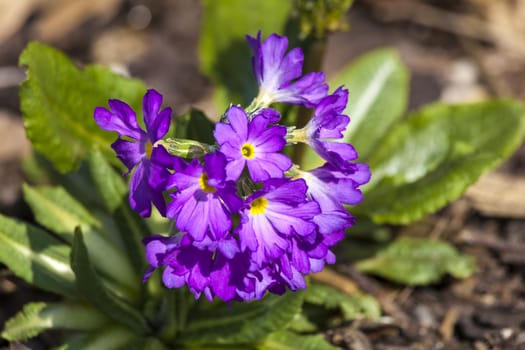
(130, 153)
(157, 124)
(122, 120)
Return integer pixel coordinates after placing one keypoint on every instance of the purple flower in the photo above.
(136, 148)
(275, 71)
(307, 257)
(327, 125)
(253, 143)
(274, 214)
(303, 256)
(268, 279)
(331, 187)
(204, 201)
(203, 271)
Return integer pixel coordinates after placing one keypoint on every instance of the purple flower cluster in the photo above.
(248, 221)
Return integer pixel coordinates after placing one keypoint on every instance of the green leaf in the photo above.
(378, 84)
(243, 322)
(39, 170)
(36, 257)
(223, 51)
(114, 194)
(430, 159)
(416, 261)
(113, 337)
(57, 211)
(109, 184)
(302, 324)
(352, 306)
(194, 125)
(133, 229)
(95, 292)
(80, 184)
(38, 317)
(378, 95)
(285, 340)
(58, 101)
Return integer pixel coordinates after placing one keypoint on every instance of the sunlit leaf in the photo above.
(415, 261)
(352, 306)
(36, 257)
(38, 317)
(58, 101)
(378, 93)
(243, 322)
(430, 159)
(57, 211)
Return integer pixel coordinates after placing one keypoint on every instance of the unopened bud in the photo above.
(187, 148)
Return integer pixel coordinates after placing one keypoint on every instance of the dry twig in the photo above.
(335, 280)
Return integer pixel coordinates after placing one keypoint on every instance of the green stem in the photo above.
(171, 324)
(184, 304)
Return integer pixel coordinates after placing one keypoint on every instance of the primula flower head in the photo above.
(255, 143)
(136, 148)
(279, 73)
(246, 221)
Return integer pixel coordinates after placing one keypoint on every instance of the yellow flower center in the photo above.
(149, 149)
(258, 206)
(248, 151)
(203, 182)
